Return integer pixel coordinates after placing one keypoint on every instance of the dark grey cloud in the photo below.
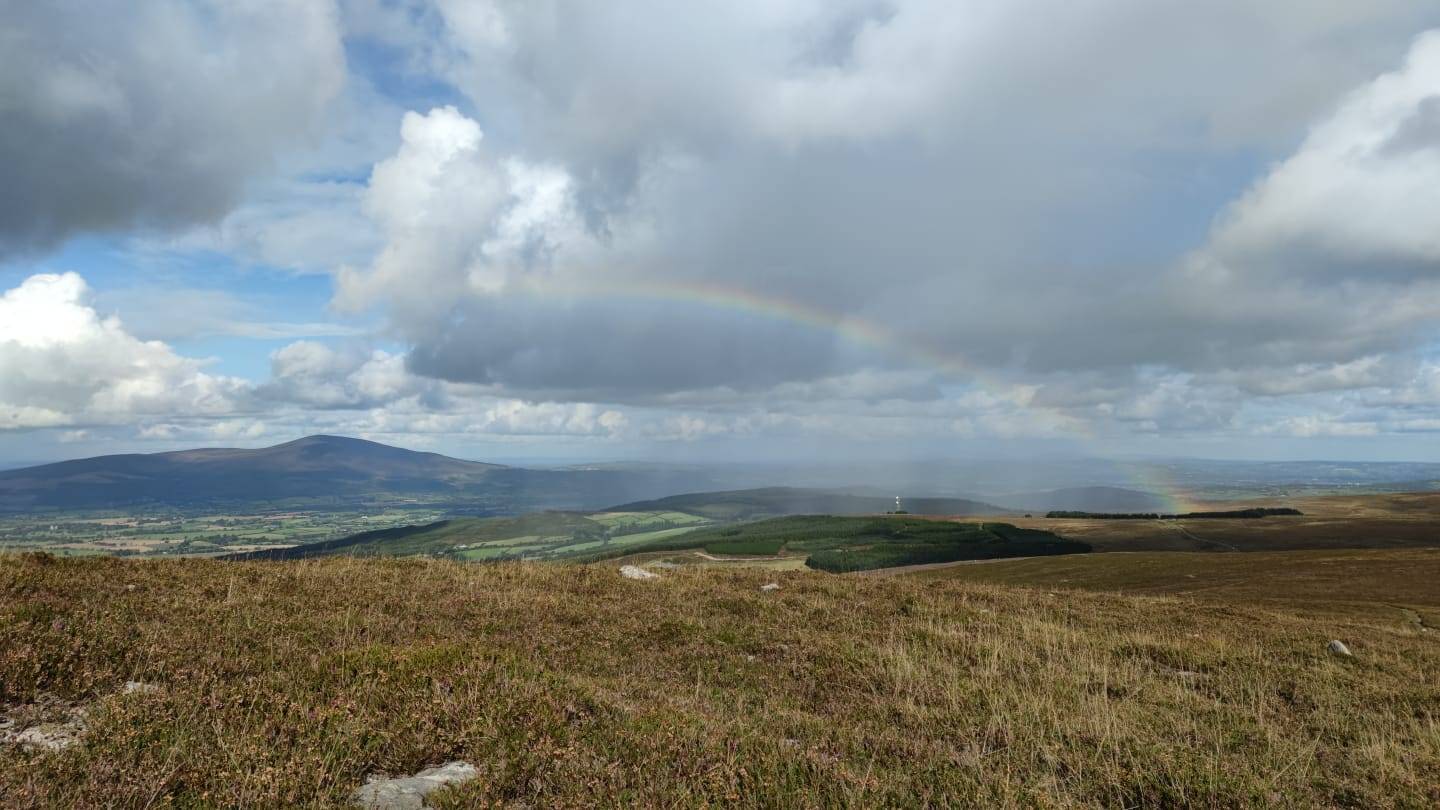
(985, 192)
(152, 114)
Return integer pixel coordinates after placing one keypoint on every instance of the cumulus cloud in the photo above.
(1363, 188)
(858, 218)
(945, 176)
(151, 115)
(65, 364)
(317, 375)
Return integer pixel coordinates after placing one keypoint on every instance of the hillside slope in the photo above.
(1086, 499)
(745, 504)
(1396, 583)
(837, 544)
(531, 536)
(287, 684)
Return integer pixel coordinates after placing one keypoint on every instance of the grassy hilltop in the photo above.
(286, 684)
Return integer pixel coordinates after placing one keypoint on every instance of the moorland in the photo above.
(765, 647)
(288, 684)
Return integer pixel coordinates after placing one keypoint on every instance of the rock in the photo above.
(54, 735)
(133, 687)
(636, 572)
(48, 736)
(770, 586)
(1338, 647)
(409, 792)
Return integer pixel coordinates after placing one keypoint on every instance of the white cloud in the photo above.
(62, 363)
(457, 220)
(1364, 187)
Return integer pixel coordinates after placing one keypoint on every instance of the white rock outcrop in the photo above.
(636, 572)
(409, 792)
(1337, 647)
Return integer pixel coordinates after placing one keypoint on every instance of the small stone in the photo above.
(409, 792)
(770, 586)
(132, 687)
(636, 572)
(130, 588)
(46, 736)
(1338, 647)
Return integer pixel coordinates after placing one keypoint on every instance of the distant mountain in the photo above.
(1086, 499)
(320, 471)
(745, 504)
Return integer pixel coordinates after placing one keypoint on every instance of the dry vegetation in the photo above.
(285, 684)
(1390, 584)
(1398, 520)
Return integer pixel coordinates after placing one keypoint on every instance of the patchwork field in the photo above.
(534, 536)
(181, 533)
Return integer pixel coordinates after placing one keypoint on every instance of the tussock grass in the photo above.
(286, 683)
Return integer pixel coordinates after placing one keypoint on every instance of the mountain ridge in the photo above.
(335, 470)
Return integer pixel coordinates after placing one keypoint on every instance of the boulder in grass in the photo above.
(1337, 647)
(46, 736)
(770, 586)
(636, 572)
(139, 687)
(409, 792)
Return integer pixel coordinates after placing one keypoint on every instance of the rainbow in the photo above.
(1148, 477)
(1155, 479)
(859, 331)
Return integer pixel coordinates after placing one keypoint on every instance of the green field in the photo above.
(173, 533)
(634, 522)
(535, 536)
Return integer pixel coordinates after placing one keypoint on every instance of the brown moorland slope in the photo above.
(1396, 520)
(1397, 585)
(285, 684)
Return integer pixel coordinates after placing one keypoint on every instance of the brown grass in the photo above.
(1387, 584)
(286, 683)
(1397, 520)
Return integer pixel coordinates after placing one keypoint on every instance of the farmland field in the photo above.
(182, 533)
(534, 536)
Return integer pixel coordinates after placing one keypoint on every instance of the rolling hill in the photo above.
(1085, 499)
(333, 470)
(840, 544)
(748, 504)
(828, 543)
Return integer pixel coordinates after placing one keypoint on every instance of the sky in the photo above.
(722, 230)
